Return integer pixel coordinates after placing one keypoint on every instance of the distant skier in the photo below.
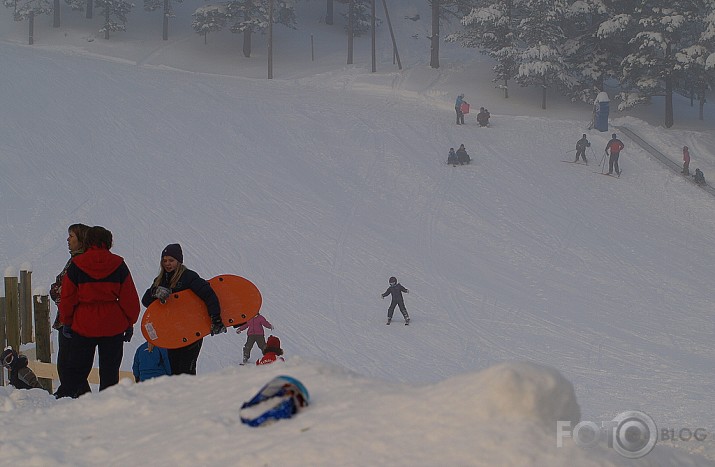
(395, 289)
(452, 157)
(21, 376)
(581, 146)
(462, 156)
(483, 117)
(686, 161)
(458, 108)
(615, 146)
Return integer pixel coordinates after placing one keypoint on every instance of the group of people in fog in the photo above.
(461, 107)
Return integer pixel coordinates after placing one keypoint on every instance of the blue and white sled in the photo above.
(282, 397)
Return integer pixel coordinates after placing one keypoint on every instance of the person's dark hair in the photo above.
(99, 237)
(80, 231)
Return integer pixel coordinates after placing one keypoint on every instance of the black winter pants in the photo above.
(183, 360)
(581, 153)
(391, 310)
(613, 163)
(64, 349)
(460, 116)
(81, 358)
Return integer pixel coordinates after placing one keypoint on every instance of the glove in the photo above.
(67, 331)
(217, 326)
(128, 334)
(162, 293)
(238, 331)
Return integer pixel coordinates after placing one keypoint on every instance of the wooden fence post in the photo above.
(12, 313)
(25, 297)
(43, 351)
(2, 336)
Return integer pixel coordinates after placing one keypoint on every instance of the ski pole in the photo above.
(603, 160)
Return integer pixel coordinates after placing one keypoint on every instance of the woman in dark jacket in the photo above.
(76, 234)
(98, 307)
(175, 277)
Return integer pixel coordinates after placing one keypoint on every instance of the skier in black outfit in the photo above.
(395, 289)
(581, 146)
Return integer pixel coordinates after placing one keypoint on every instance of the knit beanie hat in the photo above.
(173, 250)
(273, 342)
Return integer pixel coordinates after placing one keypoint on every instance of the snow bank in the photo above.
(504, 415)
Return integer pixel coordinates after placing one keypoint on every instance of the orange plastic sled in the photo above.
(184, 318)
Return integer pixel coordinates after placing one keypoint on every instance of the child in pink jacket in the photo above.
(256, 335)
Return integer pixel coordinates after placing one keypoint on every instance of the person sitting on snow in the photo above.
(271, 352)
(452, 157)
(21, 376)
(699, 178)
(483, 117)
(462, 155)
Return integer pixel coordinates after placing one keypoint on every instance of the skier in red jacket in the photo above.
(98, 306)
(615, 146)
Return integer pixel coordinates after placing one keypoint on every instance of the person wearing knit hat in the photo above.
(173, 250)
(271, 352)
(174, 277)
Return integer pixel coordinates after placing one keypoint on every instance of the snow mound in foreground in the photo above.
(505, 415)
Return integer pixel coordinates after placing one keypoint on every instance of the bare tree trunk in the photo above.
(668, 101)
(350, 32)
(506, 89)
(247, 43)
(106, 23)
(165, 28)
(434, 39)
(31, 39)
(270, 39)
(543, 95)
(668, 93)
(329, 13)
(702, 106)
(90, 4)
(56, 14)
(374, 39)
(392, 36)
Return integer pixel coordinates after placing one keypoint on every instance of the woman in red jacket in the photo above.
(98, 306)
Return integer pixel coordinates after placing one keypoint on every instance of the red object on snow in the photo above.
(464, 108)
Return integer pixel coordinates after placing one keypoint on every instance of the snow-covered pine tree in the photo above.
(252, 16)
(541, 61)
(361, 17)
(697, 61)
(210, 18)
(491, 27)
(114, 13)
(168, 10)
(595, 46)
(77, 5)
(27, 10)
(660, 32)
